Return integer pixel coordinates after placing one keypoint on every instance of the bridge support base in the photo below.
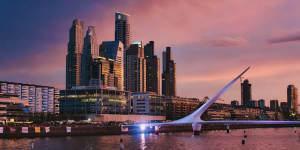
(196, 128)
(156, 130)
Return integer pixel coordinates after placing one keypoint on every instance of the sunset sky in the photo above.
(212, 40)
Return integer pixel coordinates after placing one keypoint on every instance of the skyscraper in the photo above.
(274, 105)
(73, 58)
(136, 68)
(90, 51)
(115, 50)
(246, 92)
(169, 74)
(292, 98)
(152, 69)
(122, 29)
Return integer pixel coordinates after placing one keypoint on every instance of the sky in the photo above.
(212, 41)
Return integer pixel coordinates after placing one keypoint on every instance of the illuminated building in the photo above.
(106, 73)
(152, 69)
(38, 97)
(178, 107)
(73, 58)
(115, 50)
(292, 98)
(169, 74)
(147, 103)
(80, 103)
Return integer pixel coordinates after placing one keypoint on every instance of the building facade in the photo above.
(246, 95)
(261, 103)
(122, 29)
(178, 107)
(136, 68)
(152, 69)
(90, 51)
(73, 58)
(106, 74)
(274, 105)
(147, 103)
(115, 50)
(39, 98)
(82, 102)
(169, 74)
(292, 98)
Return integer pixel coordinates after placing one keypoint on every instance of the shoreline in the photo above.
(92, 130)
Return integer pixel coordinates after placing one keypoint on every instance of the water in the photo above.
(264, 138)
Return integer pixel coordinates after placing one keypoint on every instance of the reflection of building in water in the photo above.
(79, 103)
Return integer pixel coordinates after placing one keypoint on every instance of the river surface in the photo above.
(261, 138)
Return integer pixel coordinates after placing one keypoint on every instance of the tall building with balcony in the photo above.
(90, 51)
(246, 92)
(169, 74)
(292, 98)
(136, 68)
(122, 29)
(73, 58)
(115, 50)
(152, 69)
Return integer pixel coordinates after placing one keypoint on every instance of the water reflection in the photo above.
(264, 138)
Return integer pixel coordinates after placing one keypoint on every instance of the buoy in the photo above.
(245, 136)
(121, 144)
(227, 130)
(244, 131)
(243, 141)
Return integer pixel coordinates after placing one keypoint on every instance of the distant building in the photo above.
(261, 103)
(38, 98)
(106, 73)
(147, 103)
(284, 107)
(81, 103)
(234, 103)
(169, 74)
(73, 58)
(122, 29)
(292, 98)
(136, 68)
(246, 92)
(115, 50)
(178, 107)
(274, 105)
(152, 69)
(90, 51)
(253, 103)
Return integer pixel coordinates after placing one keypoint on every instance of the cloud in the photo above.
(285, 39)
(228, 42)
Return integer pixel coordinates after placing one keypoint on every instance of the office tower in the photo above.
(136, 68)
(122, 29)
(292, 98)
(274, 105)
(261, 103)
(246, 92)
(90, 51)
(106, 73)
(115, 50)
(152, 69)
(169, 74)
(284, 107)
(73, 58)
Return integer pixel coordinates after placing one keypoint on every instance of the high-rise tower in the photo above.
(169, 74)
(73, 58)
(90, 51)
(122, 29)
(292, 98)
(136, 68)
(152, 69)
(246, 92)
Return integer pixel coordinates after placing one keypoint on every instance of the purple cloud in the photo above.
(284, 39)
(227, 42)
